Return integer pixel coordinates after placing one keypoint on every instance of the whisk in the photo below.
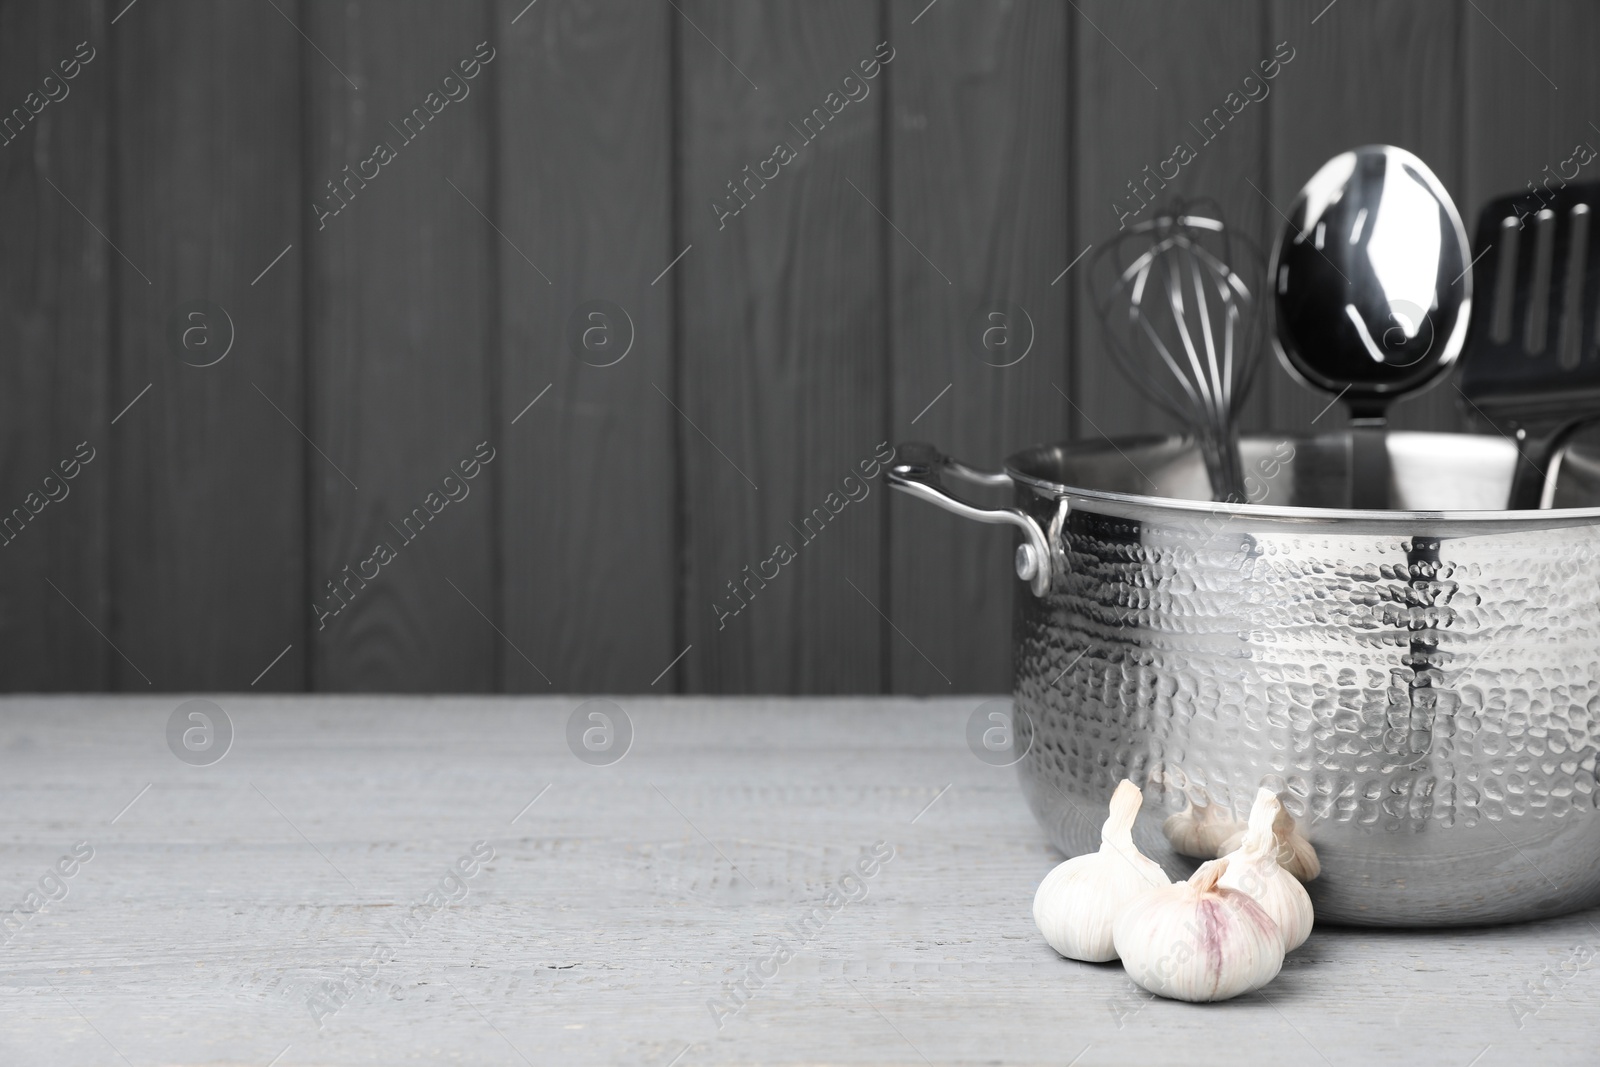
(1178, 300)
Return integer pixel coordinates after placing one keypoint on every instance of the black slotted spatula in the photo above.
(1531, 365)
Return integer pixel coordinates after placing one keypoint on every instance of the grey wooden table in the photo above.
(324, 894)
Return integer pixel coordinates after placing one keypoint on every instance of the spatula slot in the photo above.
(1537, 324)
(1505, 282)
(1570, 346)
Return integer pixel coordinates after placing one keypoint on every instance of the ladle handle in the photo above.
(1369, 465)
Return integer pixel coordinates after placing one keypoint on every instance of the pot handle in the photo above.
(918, 469)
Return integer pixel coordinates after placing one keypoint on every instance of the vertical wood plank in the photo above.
(978, 164)
(1531, 83)
(585, 185)
(782, 330)
(54, 329)
(1407, 93)
(1148, 75)
(207, 527)
(401, 305)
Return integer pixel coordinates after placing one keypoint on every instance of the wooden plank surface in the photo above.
(1147, 76)
(227, 908)
(1407, 93)
(790, 341)
(207, 506)
(1530, 86)
(978, 159)
(55, 323)
(402, 308)
(589, 521)
(782, 393)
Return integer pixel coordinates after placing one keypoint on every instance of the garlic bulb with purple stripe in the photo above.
(1198, 941)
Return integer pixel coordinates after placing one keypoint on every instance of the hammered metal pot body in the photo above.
(1422, 689)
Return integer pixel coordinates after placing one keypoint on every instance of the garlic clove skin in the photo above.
(1254, 869)
(1079, 900)
(1199, 832)
(1302, 859)
(1075, 907)
(1295, 854)
(1198, 941)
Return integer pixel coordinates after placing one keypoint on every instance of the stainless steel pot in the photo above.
(1420, 686)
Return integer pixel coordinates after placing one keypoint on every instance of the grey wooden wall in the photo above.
(375, 349)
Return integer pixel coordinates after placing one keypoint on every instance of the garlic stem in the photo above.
(1253, 868)
(1295, 854)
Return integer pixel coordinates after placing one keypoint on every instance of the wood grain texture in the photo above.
(588, 533)
(1407, 93)
(402, 347)
(978, 164)
(790, 340)
(1531, 85)
(207, 514)
(782, 391)
(1148, 74)
(618, 904)
(55, 320)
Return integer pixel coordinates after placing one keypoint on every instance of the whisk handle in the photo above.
(1223, 467)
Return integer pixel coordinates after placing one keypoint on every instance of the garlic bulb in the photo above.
(1254, 869)
(1295, 854)
(1078, 900)
(1200, 832)
(1197, 941)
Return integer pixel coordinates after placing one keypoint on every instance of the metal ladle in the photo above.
(1371, 293)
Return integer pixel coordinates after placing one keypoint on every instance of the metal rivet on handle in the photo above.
(1027, 562)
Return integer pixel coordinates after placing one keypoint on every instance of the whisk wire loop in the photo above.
(1192, 343)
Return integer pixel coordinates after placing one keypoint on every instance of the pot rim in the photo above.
(1143, 506)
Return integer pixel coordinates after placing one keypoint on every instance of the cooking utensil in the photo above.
(1371, 293)
(1184, 324)
(1205, 649)
(1531, 366)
